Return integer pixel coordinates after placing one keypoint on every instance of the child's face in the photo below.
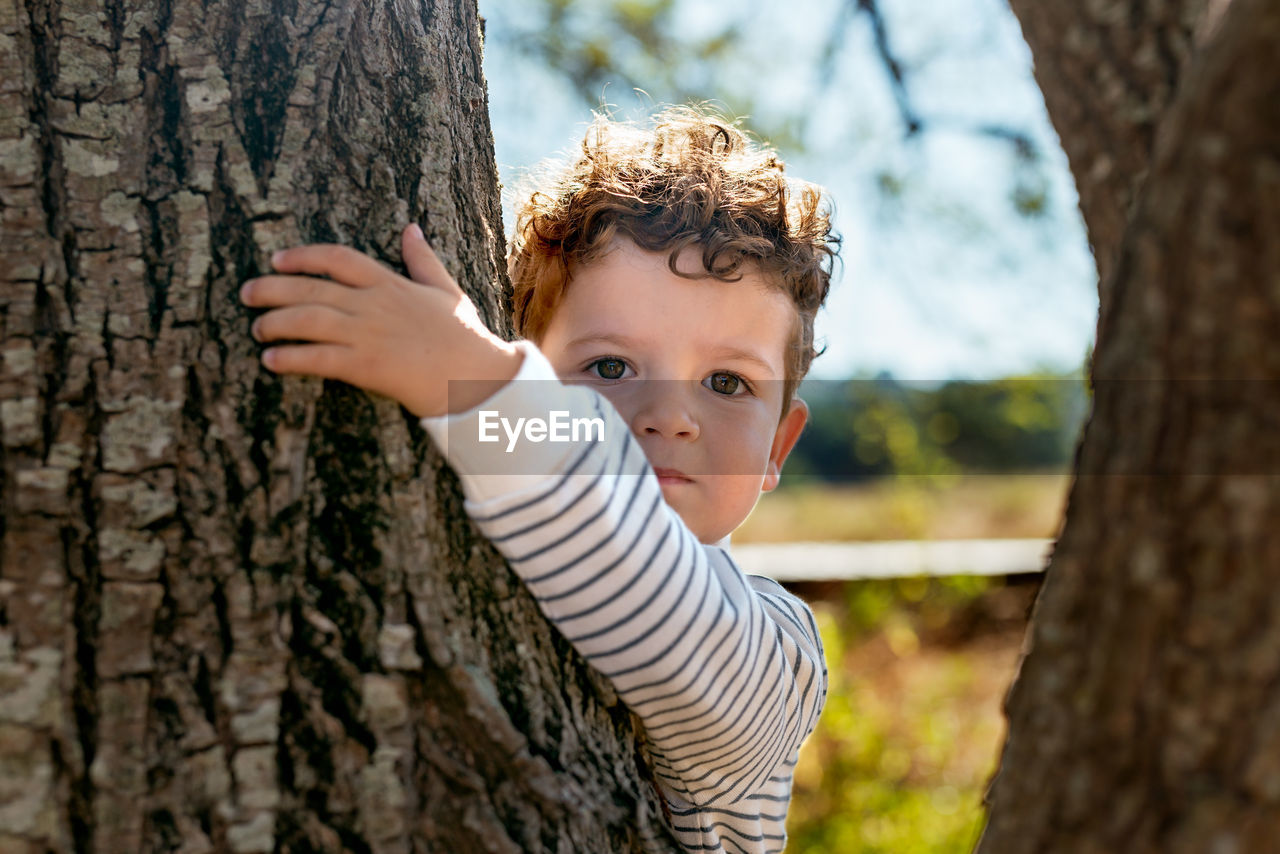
(628, 326)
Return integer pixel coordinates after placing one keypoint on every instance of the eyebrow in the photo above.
(601, 338)
(734, 353)
(720, 352)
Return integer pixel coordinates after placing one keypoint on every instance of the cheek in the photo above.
(745, 440)
(732, 498)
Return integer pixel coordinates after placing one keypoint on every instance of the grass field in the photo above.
(918, 668)
(913, 724)
(910, 508)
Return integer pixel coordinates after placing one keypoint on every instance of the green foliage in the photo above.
(877, 427)
(910, 733)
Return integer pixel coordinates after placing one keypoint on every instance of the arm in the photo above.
(725, 672)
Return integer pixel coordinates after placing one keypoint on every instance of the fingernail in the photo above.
(275, 257)
(269, 358)
(417, 231)
(253, 329)
(244, 291)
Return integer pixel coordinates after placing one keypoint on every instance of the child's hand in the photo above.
(370, 327)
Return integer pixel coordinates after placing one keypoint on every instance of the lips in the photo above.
(671, 476)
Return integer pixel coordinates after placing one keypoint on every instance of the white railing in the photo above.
(891, 559)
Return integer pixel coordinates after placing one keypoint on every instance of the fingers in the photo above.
(422, 262)
(330, 361)
(271, 291)
(318, 323)
(341, 263)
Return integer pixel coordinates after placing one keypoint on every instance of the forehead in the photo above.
(630, 292)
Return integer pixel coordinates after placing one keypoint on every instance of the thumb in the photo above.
(421, 260)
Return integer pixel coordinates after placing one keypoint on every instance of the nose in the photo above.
(665, 408)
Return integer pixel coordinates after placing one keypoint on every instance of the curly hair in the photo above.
(690, 178)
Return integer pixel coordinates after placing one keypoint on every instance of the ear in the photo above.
(784, 439)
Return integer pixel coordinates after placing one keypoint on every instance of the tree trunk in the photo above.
(1144, 716)
(1108, 71)
(240, 613)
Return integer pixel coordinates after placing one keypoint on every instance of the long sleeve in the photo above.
(725, 671)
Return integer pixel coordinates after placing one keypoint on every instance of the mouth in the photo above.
(667, 477)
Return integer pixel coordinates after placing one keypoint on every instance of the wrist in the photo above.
(488, 468)
(490, 368)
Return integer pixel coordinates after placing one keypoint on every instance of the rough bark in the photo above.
(239, 613)
(1144, 718)
(1108, 70)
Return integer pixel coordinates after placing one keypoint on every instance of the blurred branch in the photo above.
(910, 119)
(834, 46)
(895, 70)
(1024, 146)
(639, 45)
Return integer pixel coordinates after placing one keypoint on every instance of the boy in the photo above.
(666, 286)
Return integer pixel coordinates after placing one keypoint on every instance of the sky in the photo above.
(941, 279)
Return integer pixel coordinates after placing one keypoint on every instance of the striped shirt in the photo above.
(724, 670)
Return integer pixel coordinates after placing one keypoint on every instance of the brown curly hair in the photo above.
(688, 178)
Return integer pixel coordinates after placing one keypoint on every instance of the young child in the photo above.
(666, 286)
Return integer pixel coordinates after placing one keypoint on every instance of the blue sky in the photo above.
(941, 280)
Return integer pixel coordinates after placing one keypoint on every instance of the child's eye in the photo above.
(727, 384)
(609, 369)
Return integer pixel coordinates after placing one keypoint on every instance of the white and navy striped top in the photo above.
(724, 670)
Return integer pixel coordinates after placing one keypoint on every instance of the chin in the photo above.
(710, 538)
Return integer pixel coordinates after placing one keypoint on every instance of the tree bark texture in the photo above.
(240, 613)
(1108, 70)
(1146, 716)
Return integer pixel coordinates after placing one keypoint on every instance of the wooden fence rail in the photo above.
(892, 559)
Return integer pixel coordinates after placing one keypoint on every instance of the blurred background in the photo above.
(946, 407)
